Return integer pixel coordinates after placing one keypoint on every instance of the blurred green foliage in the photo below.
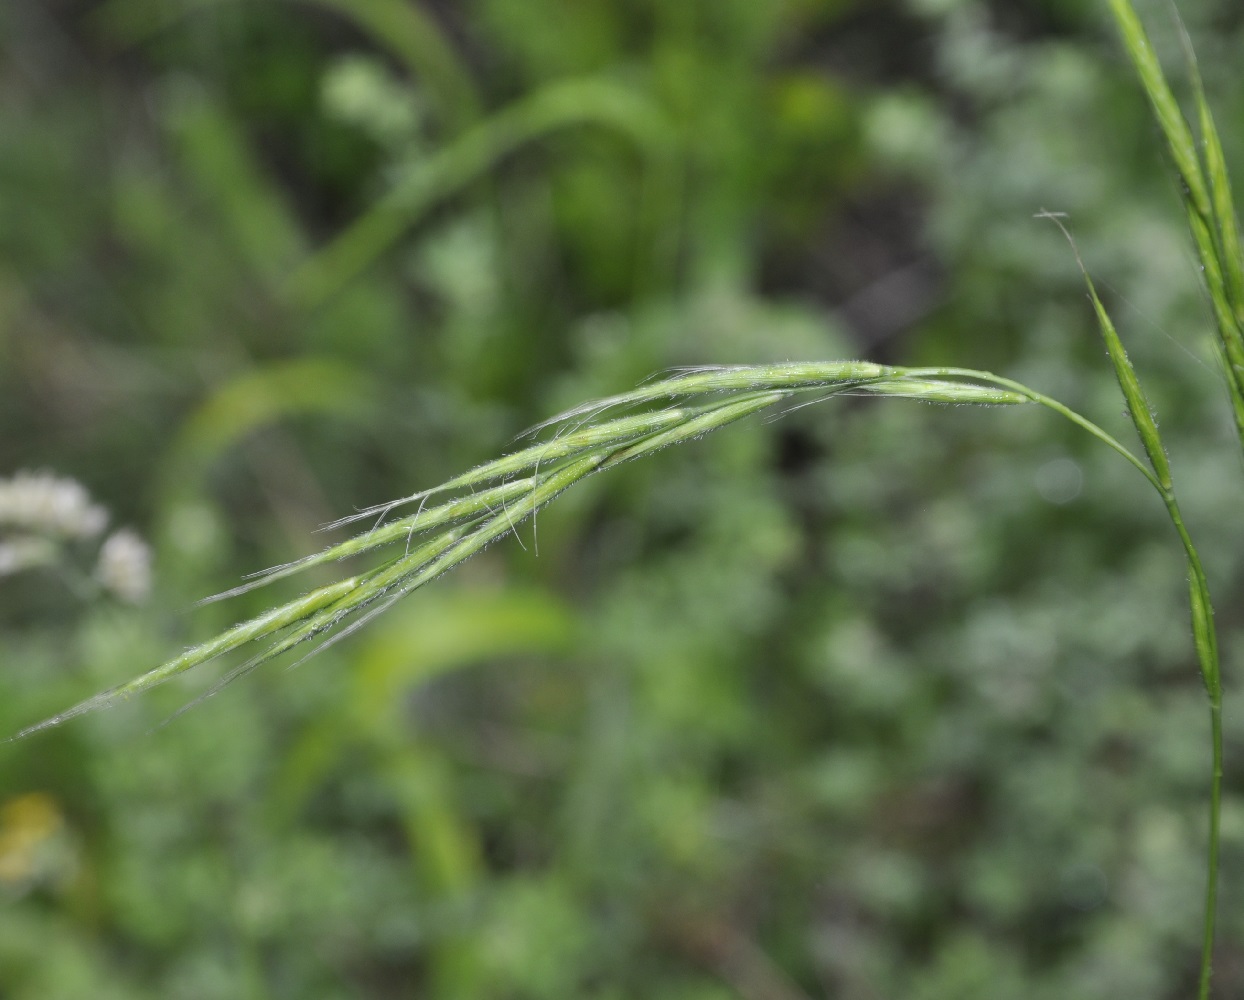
(879, 700)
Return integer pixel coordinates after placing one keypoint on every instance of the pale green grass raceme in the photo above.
(489, 502)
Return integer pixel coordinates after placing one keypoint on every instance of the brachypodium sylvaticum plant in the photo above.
(453, 521)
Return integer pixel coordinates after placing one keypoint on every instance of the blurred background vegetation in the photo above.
(879, 700)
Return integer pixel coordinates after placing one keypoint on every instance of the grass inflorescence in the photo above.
(461, 517)
(464, 515)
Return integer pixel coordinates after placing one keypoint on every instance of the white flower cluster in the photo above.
(124, 566)
(25, 553)
(40, 512)
(49, 505)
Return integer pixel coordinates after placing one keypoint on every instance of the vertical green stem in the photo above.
(1206, 641)
(1215, 822)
